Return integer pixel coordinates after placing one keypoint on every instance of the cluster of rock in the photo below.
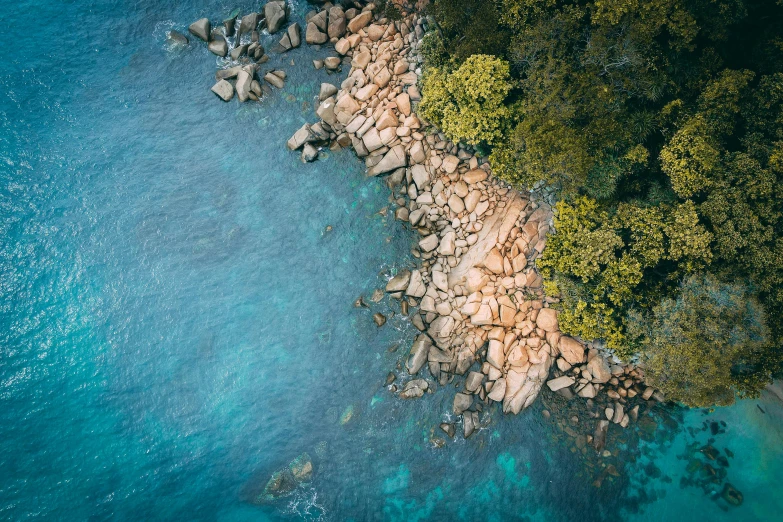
(237, 41)
(284, 481)
(479, 297)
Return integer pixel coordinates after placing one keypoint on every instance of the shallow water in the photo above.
(177, 323)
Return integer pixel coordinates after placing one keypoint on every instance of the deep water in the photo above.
(176, 322)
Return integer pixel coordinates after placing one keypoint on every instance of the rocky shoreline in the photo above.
(475, 296)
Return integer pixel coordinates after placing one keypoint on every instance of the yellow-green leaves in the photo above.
(689, 159)
(689, 241)
(468, 103)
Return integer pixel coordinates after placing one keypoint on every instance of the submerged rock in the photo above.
(379, 319)
(302, 468)
(177, 38)
(731, 495)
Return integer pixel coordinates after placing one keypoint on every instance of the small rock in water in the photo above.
(390, 378)
(332, 63)
(201, 28)
(414, 389)
(731, 495)
(359, 303)
(309, 153)
(177, 38)
(347, 415)
(379, 319)
(274, 80)
(377, 295)
(448, 428)
(224, 90)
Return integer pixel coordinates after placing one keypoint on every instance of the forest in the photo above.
(657, 126)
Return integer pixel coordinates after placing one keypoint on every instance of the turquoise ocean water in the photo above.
(176, 323)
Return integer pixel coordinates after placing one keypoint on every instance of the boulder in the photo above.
(345, 108)
(429, 243)
(360, 21)
(225, 74)
(314, 36)
(448, 429)
(327, 89)
(274, 79)
(295, 35)
(276, 15)
(224, 90)
(302, 468)
(469, 423)
(230, 23)
(416, 286)
(571, 350)
(418, 355)
(393, 159)
(495, 354)
(588, 392)
(201, 28)
(462, 401)
(332, 63)
(403, 102)
(310, 153)
(456, 204)
(474, 176)
(337, 24)
(218, 46)
(494, 261)
(447, 244)
(599, 436)
(399, 282)
(300, 137)
(547, 320)
(414, 389)
(238, 51)
(599, 368)
(243, 85)
(560, 382)
(177, 38)
(248, 24)
(473, 382)
(440, 280)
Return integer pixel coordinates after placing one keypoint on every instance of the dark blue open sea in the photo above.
(176, 323)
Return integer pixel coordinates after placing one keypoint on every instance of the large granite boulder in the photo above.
(276, 14)
(201, 28)
(224, 90)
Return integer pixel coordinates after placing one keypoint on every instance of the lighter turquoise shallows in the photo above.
(176, 323)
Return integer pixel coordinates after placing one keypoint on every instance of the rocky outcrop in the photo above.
(482, 311)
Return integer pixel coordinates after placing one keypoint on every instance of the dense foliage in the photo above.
(701, 344)
(660, 125)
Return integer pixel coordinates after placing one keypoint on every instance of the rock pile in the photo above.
(479, 296)
(237, 41)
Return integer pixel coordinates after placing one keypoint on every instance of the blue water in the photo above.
(176, 322)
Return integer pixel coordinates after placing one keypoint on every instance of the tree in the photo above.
(697, 347)
(467, 103)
